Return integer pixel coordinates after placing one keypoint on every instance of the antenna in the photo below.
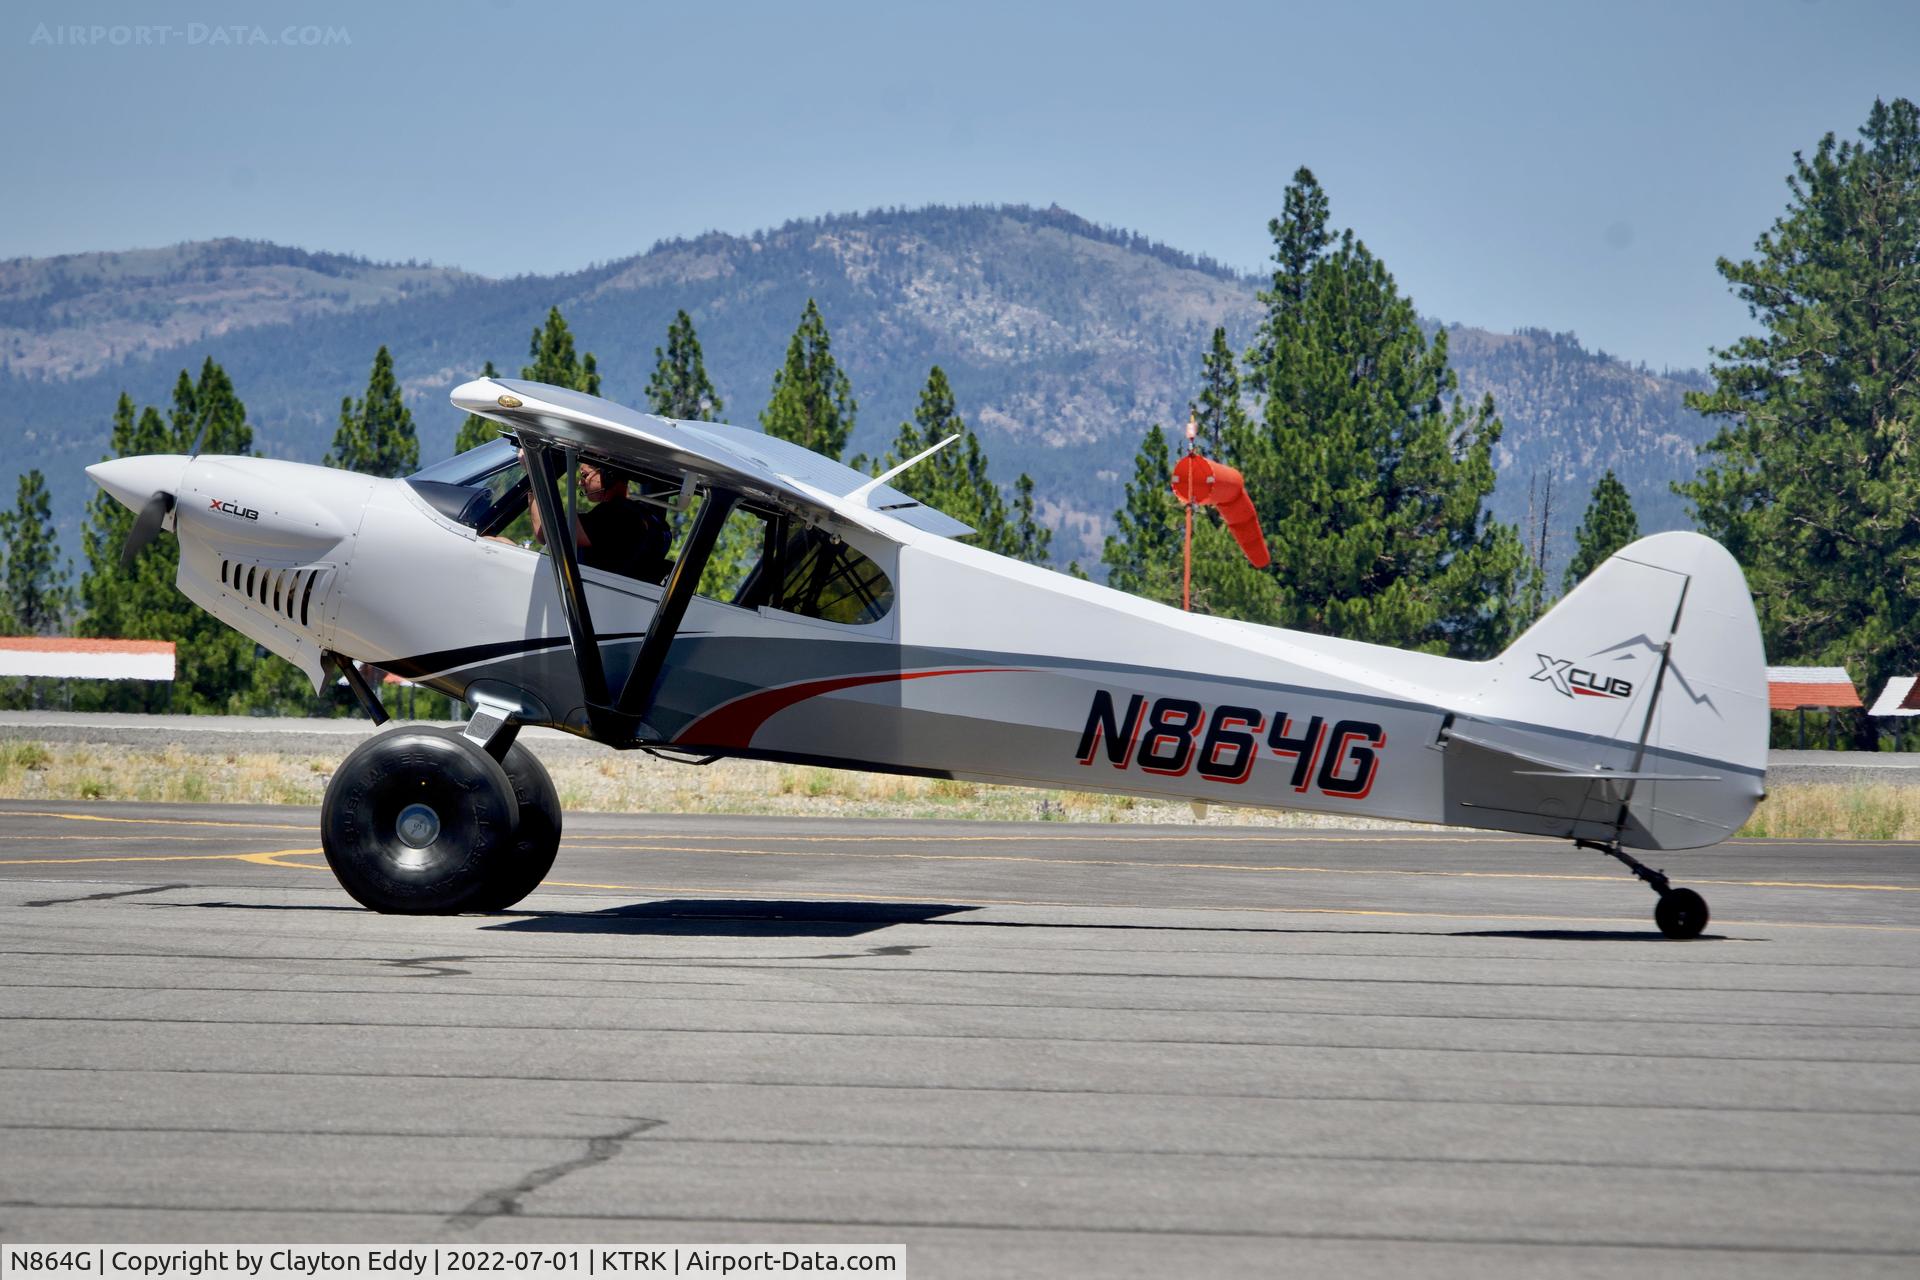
(864, 493)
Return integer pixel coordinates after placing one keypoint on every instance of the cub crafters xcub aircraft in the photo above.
(863, 635)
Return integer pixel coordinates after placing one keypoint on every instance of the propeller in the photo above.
(153, 513)
(145, 525)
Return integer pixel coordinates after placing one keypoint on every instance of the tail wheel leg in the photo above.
(1680, 913)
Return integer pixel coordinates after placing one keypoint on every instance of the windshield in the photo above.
(483, 488)
(465, 468)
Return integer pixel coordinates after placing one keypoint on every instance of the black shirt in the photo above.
(626, 537)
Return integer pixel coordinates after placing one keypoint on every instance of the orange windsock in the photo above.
(1201, 480)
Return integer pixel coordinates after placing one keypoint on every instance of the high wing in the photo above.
(749, 463)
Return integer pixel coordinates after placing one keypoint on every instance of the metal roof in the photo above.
(1810, 688)
(1899, 698)
(86, 659)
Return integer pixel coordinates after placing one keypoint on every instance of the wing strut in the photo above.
(636, 697)
(566, 570)
(618, 722)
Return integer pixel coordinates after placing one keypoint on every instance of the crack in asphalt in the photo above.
(505, 1201)
(430, 966)
(102, 897)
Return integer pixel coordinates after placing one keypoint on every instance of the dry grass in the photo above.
(1839, 811)
(80, 771)
(631, 783)
(609, 783)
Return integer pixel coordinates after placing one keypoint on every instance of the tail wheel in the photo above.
(536, 840)
(1681, 913)
(418, 822)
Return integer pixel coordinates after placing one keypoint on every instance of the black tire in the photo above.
(417, 821)
(536, 840)
(1681, 913)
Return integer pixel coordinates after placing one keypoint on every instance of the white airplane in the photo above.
(865, 635)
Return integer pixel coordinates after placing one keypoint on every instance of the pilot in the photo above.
(619, 535)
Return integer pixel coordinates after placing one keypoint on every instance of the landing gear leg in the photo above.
(495, 729)
(1680, 913)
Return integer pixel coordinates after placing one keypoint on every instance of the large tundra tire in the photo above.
(418, 821)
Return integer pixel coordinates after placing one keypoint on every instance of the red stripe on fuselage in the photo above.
(733, 724)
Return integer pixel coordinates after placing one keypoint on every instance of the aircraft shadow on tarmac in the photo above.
(780, 918)
(1580, 935)
(734, 918)
(785, 918)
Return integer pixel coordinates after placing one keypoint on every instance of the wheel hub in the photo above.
(417, 826)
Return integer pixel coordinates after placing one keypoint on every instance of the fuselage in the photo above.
(981, 667)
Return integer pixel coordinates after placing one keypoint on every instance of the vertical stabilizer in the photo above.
(1635, 709)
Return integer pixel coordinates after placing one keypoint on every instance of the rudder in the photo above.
(1635, 709)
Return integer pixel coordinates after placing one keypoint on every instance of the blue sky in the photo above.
(1564, 166)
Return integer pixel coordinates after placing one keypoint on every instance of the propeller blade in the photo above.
(145, 526)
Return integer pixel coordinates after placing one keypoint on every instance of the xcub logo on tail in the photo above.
(1571, 681)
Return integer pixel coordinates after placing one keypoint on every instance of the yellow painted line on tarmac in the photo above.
(273, 858)
(1810, 884)
(1268, 869)
(1292, 837)
(265, 859)
(158, 822)
(92, 837)
(278, 858)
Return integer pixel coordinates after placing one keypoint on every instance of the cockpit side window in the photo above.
(764, 562)
(828, 579)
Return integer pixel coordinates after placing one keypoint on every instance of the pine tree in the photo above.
(37, 594)
(1219, 414)
(1300, 239)
(955, 479)
(376, 434)
(476, 430)
(679, 387)
(1143, 553)
(1608, 525)
(554, 361)
(1030, 540)
(812, 403)
(1368, 469)
(208, 413)
(1810, 482)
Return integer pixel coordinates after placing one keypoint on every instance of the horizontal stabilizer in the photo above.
(1547, 767)
(1611, 775)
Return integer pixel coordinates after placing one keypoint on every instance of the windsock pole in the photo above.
(1186, 573)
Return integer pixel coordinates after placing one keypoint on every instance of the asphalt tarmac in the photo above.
(1018, 1050)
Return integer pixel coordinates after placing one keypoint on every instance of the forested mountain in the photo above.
(80, 313)
(1063, 341)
